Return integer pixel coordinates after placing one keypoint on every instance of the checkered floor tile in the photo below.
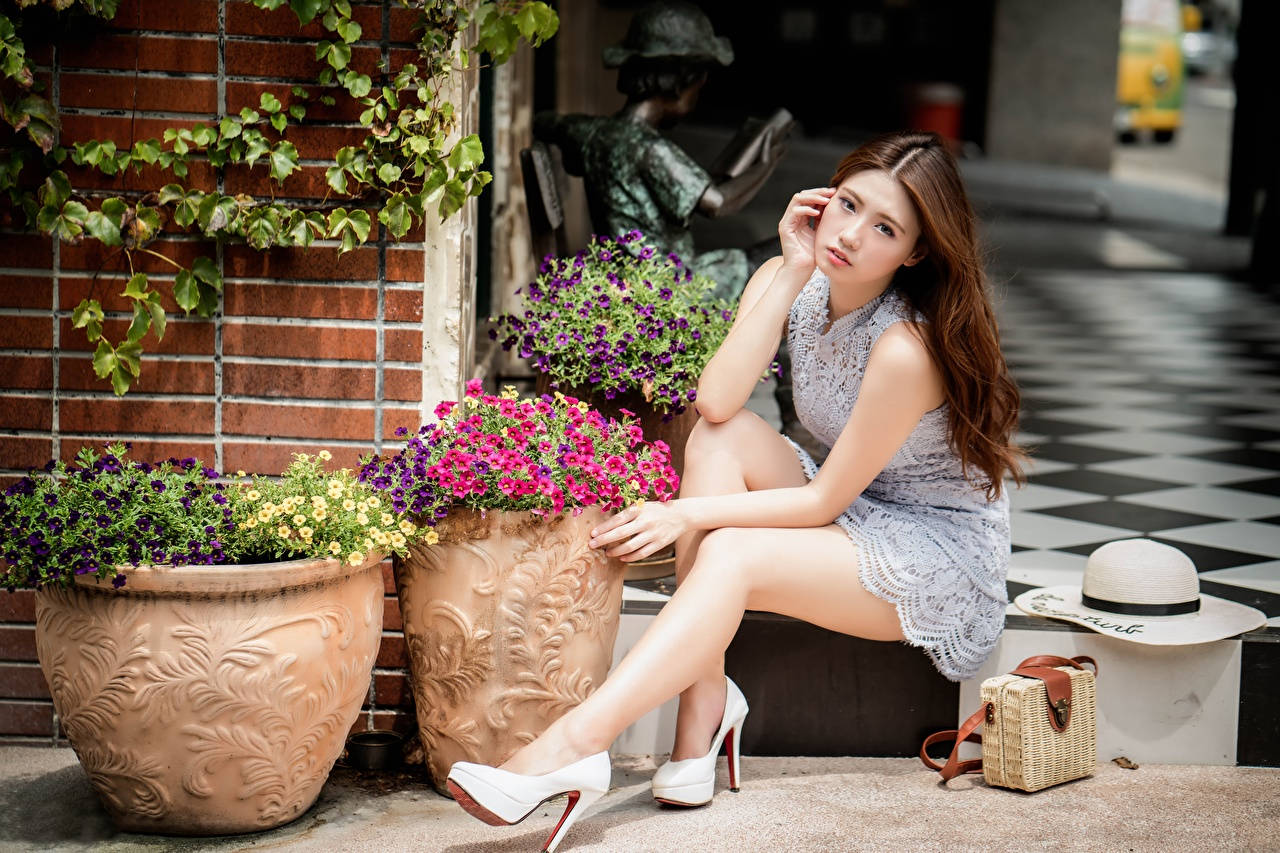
(1154, 396)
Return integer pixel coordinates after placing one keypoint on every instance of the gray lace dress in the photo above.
(927, 540)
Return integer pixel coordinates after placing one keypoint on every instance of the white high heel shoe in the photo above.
(500, 798)
(692, 782)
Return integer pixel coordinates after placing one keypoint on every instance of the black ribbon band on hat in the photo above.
(1127, 609)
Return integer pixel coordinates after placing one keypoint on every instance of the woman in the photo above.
(903, 534)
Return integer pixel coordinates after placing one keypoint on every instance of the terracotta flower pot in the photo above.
(209, 700)
(510, 621)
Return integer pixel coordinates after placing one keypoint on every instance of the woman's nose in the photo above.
(850, 236)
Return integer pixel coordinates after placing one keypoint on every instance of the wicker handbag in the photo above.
(1041, 726)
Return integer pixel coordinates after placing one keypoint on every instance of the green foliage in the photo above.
(409, 162)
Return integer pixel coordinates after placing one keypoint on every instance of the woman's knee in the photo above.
(725, 554)
(718, 436)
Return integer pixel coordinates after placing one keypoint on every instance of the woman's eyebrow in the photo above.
(879, 213)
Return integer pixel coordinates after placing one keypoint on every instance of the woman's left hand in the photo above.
(640, 530)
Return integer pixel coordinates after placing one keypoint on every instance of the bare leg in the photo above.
(714, 466)
(807, 573)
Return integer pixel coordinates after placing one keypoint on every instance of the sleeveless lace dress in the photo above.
(927, 541)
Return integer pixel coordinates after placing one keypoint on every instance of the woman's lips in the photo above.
(837, 259)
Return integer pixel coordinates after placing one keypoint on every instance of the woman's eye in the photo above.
(848, 205)
(887, 230)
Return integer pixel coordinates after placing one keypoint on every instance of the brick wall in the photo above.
(310, 350)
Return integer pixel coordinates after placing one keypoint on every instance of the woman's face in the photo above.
(867, 231)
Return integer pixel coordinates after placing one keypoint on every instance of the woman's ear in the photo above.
(916, 256)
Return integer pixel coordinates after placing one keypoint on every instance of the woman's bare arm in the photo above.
(731, 374)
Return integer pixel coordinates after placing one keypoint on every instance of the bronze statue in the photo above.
(637, 179)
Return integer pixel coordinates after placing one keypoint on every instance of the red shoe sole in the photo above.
(473, 808)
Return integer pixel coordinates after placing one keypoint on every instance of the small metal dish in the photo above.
(374, 750)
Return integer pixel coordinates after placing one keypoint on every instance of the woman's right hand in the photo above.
(794, 233)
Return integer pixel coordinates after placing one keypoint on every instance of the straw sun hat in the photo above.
(1145, 592)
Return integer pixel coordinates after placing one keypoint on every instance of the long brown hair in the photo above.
(949, 288)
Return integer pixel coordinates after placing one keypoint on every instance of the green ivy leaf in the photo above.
(104, 360)
(136, 287)
(396, 216)
(129, 354)
(467, 154)
(185, 291)
(284, 161)
(339, 55)
(249, 116)
(336, 178)
(207, 271)
(56, 189)
(262, 226)
(159, 322)
(349, 30)
(102, 229)
(147, 151)
(269, 103)
(389, 173)
(454, 195)
(141, 322)
(170, 193)
(433, 186)
(229, 127)
(306, 10)
(88, 316)
(358, 85)
(298, 111)
(208, 301)
(278, 121)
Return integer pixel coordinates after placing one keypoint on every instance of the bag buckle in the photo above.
(991, 712)
(1061, 711)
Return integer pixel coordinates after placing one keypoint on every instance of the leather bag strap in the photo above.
(967, 732)
(1057, 684)
(1054, 660)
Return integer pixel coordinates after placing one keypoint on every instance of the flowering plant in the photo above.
(101, 512)
(309, 512)
(619, 317)
(104, 512)
(545, 455)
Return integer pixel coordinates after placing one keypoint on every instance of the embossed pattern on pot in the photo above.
(510, 622)
(207, 712)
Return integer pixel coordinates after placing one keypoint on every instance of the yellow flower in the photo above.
(251, 522)
(368, 543)
(335, 548)
(252, 495)
(387, 519)
(373, 502)
(362, 519)
(283, 530)
(299, 520)
(381, 538)
(269, 506)
(320, 513)
(264, 515)
(509, 392)
(318, 500)
(432, 537)
(324, 455)
(407, 527)
(334, 493)
(306, 532)
(348, 504)
(397, 540)
(355, 558)
(241, 474)
(335, 484)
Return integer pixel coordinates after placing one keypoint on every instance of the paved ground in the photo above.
(786, 804)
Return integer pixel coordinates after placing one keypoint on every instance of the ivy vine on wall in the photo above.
(406, 169)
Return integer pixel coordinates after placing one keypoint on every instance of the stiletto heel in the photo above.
(500, 798)
(692, 782)
(733, 747)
